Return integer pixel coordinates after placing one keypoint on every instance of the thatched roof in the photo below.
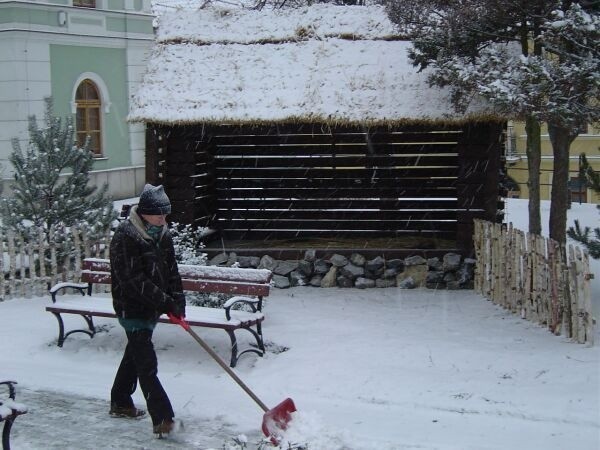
(329, 63)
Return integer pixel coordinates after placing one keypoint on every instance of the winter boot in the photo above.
(164, 428)
(126, 411)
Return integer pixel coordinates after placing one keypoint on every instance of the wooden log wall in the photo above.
(313, 180)
(534, 277)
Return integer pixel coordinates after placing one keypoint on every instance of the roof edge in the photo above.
(473, 118)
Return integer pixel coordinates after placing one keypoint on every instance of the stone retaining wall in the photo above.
(450, 272)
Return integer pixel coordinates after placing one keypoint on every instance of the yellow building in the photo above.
(516, 163)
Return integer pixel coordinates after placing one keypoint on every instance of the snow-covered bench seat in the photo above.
(9, 411)
(249, 286)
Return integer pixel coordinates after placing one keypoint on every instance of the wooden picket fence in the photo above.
(20, 260)
(535, 277)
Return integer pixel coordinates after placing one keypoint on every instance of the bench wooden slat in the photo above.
(87, 276)
(258, 276)
(196, 316)
(225, 287)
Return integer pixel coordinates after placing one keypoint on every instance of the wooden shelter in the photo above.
(310, 128)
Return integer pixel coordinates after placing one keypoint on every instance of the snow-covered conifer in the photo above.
(50, 186)
(584, 235)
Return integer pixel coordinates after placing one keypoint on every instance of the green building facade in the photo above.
(89, 56)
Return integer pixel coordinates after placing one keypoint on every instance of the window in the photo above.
(583, 128)
(85, 3)
(88, 103)
(578, 190)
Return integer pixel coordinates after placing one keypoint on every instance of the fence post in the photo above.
(532, 275)
(53, 263)
(587, 298)
(31, 280)
(2, 274)
(521, 271)
(42, 254)
(77, 244)
(107, 244)
(477, 249)
(553, 304)
(12, 286)
(21, 251)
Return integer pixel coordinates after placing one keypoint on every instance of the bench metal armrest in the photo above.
(255, 304)
(83, 288)
(10, 408)
(11, 388)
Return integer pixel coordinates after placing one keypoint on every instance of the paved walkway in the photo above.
(64, 421)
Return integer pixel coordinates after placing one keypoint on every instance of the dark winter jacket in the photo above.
(144, 274)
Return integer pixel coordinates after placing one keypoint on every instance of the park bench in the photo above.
(9, 411)
(249, 287)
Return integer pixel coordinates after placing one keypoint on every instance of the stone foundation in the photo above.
(450, 272)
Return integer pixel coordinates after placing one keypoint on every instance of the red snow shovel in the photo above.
(275, 419)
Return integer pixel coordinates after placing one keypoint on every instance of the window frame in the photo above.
(84, 3)
(87, 105)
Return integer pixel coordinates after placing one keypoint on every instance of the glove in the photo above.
(176, 307)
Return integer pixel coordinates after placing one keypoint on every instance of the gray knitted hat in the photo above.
(154, 201)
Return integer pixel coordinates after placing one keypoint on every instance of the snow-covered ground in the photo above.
(376, 369)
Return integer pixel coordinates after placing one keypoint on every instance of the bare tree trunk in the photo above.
(561, 138)
(533, 130)
(534, 151)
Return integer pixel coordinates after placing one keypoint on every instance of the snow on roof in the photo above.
(238, 25)
(320, 63)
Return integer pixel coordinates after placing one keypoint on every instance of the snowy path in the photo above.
(59, 420)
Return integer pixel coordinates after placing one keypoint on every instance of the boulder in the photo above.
(281, 282)
(364, 283)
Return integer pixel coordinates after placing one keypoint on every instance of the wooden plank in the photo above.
(251, 148)
(320, 214)
(188, 181)
(96, 264)
(405, 191)
(88, 276)
(302, 172)
(332, 161)
(292, 137)
(183, 156)
(184, 212)
(358, 236)
(337, 225)
(340, 204)
(237, 288)
(332, 183)
(339, 193)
